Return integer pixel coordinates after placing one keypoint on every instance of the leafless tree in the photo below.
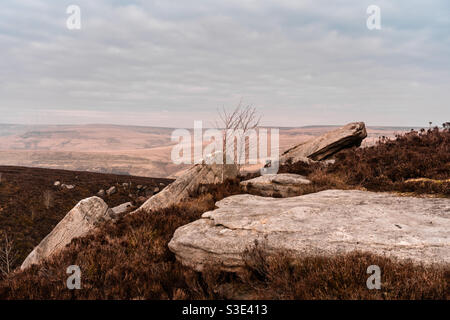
(48, 198)
(7, 256)
(236, 123)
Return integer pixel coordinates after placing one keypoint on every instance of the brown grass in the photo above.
(130, 259)
(124, 260)
(279, 276)
(399, 164)
(31, 206)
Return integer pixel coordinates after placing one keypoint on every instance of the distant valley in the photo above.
(133, 150)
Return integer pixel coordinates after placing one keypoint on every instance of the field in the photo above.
(30, 204)
(130, 259)
(139, 151)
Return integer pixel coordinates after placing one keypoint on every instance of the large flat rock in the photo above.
(281, 185)
(323, 223)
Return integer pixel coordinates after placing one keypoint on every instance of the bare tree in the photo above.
(7, 256)
(236, 123)
(47, 198)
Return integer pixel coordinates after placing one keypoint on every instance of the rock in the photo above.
(141, 199)
(162, 185)
(139, 186)
(101, 193)
(156, 190)
(282, 185)
(67, 186)
(188, 184)
(124, 207)
(148, 193)
(57, 183)
(326, 145)
(111, 191)
(84, 217)
(325, 223)
(125, 185)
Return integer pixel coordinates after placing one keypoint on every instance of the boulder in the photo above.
(326, 145)
(325, 223)
(111, 191)
(148, 192)
(68, 186)
(141, 199)
(124, 207)
(101, 193)
(84, 217)
(280, 185)
(189, 183)
(57, 183)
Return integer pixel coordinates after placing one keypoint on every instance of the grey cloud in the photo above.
(300, 62)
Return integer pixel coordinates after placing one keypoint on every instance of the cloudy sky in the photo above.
(168, 63)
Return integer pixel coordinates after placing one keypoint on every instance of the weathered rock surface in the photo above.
(79, 221)
(111, 191)
(189, 183)
(323, 223)
(122, 208)
(281, 185)
(148, 192)
(327, 144)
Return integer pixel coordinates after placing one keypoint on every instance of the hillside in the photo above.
(27, 217)
(130, 259)
(134, 150)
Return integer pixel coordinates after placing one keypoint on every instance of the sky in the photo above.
(169, 63)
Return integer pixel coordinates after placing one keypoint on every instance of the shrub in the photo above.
(389, 165)
(31, 206)
(130, 260)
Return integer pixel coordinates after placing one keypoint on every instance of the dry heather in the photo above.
(280, 276)
(130, 259)
(31, 206)
(416, 162)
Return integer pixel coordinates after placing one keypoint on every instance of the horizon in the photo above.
(169, 63)
(208, 127)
